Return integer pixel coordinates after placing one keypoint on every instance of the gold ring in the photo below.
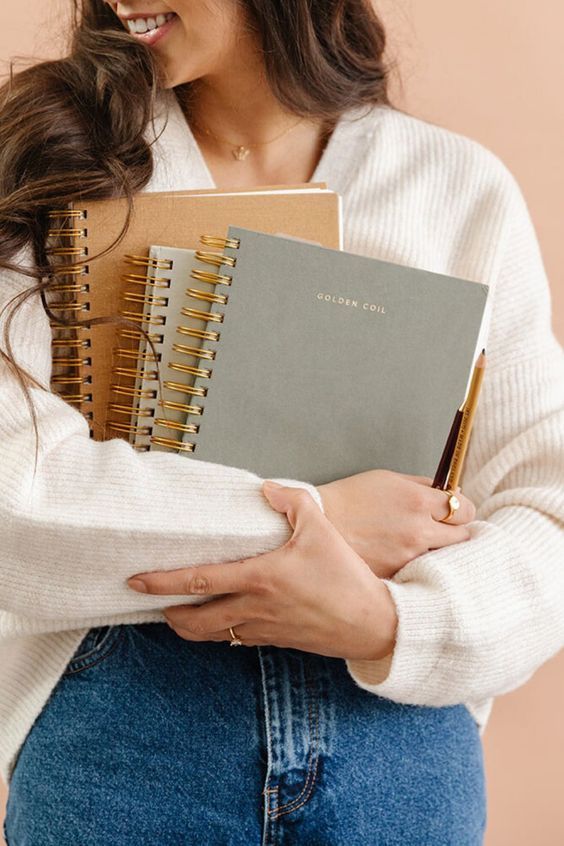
(235, 639)
(453, 505)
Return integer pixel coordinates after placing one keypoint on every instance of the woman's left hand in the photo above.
(314, 593)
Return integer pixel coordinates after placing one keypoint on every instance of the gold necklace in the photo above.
(240, 151)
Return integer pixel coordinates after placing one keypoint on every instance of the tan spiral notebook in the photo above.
(95, 366)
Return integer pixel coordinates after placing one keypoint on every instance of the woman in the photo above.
(375, 634)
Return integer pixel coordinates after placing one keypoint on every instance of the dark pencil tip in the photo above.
(484, 351)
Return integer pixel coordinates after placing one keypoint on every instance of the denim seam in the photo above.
(103, 657)
(307, 789)
(96, 648)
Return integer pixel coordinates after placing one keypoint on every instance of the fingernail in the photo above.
(137, 584)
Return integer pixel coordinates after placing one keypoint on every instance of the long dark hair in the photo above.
(74, 128)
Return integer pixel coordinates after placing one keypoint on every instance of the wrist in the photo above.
(327, 497)
(383, 624)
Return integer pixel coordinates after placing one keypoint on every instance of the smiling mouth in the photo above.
(148, 23)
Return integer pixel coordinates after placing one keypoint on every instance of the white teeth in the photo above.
(141, 25)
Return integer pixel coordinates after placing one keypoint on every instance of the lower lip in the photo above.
(150, 38)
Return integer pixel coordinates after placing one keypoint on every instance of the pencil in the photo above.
(468, 413)
(446, 457)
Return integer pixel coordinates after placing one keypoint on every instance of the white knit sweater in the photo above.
(476, 619)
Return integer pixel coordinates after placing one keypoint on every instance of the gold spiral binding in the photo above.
(125, 409)
(137, 393)
(203, 334)
(129, 429)
(207, 297)
(212, 278)
(172, 444)
(206, 316)
(70, 368)
(131, 359)
(131, 364)
(185, 389)
(146, 261)
(181, 406)
(145, 375)
(145, 299)
(203, 372)
(217, 260)
(217, 241)
(209, 355)
(147, 282)
(137, 356)
(191, 428)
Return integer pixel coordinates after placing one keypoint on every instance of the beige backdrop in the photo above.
(492, 71)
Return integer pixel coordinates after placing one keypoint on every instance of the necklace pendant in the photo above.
(240, 153)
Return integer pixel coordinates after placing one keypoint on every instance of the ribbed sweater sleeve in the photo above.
(478, 618)
(94, 514)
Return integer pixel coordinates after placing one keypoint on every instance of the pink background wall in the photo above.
(492, 71)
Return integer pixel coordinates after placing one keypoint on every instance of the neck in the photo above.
(244, 114)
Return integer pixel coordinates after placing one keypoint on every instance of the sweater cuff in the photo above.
(311, 489)
(403, 673)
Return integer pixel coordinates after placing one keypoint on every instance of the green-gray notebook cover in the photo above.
(327, 363)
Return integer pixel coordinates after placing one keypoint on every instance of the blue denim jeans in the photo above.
(151, 740)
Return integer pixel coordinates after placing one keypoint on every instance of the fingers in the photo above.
(440, 507)
(231, 577)
(446, 535)
(213, 617)
(421, 480)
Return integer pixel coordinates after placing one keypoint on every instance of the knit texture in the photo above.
(476, 619)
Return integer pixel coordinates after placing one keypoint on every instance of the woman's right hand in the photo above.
(390, 518)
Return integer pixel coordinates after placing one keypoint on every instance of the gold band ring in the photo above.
(235, 639)
(453, 505)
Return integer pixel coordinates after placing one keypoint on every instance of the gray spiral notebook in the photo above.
(298, 361)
